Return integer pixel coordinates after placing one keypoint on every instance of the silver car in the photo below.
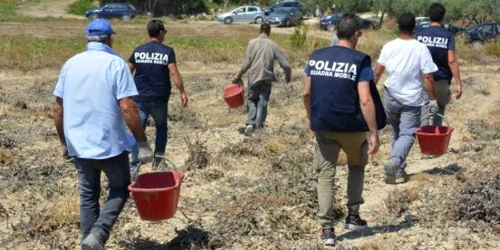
(243, 14)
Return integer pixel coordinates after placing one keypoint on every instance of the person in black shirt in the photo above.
(441, 44)
(153, 65)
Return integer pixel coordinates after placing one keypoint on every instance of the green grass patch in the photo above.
(492, 49)
(210, 47)
(6, 11)
(27, 53)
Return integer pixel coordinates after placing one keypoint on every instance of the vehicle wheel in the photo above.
(258, 20)
(125, 18)
(94, 16)
(376, 27)
(330, 27)
(477, 45)
(228, 20)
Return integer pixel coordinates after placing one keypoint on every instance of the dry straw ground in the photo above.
(241, 193)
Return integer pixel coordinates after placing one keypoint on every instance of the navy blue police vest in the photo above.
(335, 103)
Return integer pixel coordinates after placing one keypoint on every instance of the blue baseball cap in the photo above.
(99, 27)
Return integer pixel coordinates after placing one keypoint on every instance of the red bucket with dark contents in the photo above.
(434, 140)
(233, 95)
(156, 194)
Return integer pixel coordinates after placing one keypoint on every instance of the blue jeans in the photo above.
(258, 98)
(405, 120)
(93, 219)
(159, 112)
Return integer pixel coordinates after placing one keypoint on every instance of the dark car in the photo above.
(285, 4)
(329, 22)
(483, 33)
(113, 10)
(369, 23)
(285, 17)
(450, 27)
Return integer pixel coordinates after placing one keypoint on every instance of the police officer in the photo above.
(441, 44)
(342, 104)
(153, 65)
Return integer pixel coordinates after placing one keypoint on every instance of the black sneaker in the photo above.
(329, 238)
(354, 222)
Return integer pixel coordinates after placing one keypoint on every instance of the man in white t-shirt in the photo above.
(409, 66)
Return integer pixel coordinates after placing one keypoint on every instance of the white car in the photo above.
(421, 19)
(243, 14)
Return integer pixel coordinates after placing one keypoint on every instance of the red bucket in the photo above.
(434, 140)
(156, 194)
(233, 95)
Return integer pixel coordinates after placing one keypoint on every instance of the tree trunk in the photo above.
(154, 7)
(381, 18)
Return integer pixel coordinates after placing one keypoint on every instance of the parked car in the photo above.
(285, 17)
(483, 33)
(449, 26)
(421, 19)
(243, 14)
(329, 22)
(369, 23)
(123, 11)
(285, 4)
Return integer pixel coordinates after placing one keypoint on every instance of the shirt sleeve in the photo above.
(366, 72)
(426, 64)
(171, 57)
(131, 59)
(124, 82)
(59, 89)
(383, 57)
(451, 43)
(307, 69)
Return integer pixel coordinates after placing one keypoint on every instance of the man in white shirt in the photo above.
(409, 66)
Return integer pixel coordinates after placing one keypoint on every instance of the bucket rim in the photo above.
(450, 130)
(178, 177)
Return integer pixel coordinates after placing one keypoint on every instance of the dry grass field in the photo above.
(240, 193)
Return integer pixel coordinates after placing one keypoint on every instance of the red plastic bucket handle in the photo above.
(442, 116)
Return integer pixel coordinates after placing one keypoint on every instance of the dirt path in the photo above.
(46, 8)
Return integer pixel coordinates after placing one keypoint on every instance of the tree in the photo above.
(165, 7)
(475, 10)
(354, 6)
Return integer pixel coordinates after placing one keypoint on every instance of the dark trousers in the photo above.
(93, 219)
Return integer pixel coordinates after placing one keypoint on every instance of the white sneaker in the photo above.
(249, 130)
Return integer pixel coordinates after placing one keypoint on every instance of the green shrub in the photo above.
(493, 49)
(79, 7)
(299, 37)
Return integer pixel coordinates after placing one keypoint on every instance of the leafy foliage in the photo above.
(166, 7)
(476, 11)
(79, 7)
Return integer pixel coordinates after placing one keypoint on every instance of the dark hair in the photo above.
(437, 12)
(155, 26)
(348, 25)
(406, 22)
(265, 28)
